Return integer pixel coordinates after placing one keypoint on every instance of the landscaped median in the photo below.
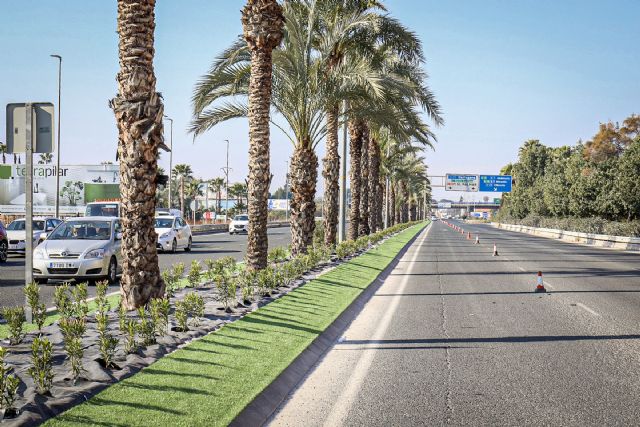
(209, 381)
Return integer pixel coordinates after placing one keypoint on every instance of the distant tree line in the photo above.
(598, 180)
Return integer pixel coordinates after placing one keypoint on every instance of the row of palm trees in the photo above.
(318, 65)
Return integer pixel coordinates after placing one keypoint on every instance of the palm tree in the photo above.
(192, 189)
(239, 191)
(4, 150)
(183, 173)
(217, 184)
(45, 158)
(138, 109)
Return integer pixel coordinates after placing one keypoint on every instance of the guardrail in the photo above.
(598, 240)
(221, 228)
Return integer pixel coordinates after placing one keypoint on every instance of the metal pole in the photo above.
(386, 189)
(342, 223)
(286, 193)
(170, 155)
(206, 198)
(226, 210)
(28, 238)
(57, 215)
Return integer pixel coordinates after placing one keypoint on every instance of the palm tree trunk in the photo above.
(392, 204)
(304, 172)
(182, 207)
(374, 184)
(138, 109)
(331, 175)
(355, 154)
(380, 194)
(405, 202)
(262, 24)
(363, 225)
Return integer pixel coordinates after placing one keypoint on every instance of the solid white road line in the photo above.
(338, 414)
(584, 307)
(522, 269)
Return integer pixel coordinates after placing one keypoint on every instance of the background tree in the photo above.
(138, 109)
(182, 173)
(3, 151)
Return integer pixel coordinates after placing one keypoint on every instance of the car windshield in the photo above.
(164, 222)
(241, 218)
(82, 230)
(20, 224)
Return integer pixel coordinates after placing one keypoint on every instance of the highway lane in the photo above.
(455, 336)
(205, 246)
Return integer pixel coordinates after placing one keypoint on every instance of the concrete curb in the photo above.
(588, 239)
(265, 404)
(222, 228)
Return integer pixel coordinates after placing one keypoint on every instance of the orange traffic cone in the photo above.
(469, 236)
(540, 286)
(495, 250)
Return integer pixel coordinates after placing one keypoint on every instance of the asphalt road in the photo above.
(455, 336)
(205, 246)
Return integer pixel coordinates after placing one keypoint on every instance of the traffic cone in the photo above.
(469, 236)
(540, 286)
(495, 250)
(477, 240)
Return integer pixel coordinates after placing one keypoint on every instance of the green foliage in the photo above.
(182, 315)
(195, 307)
(62, 300)
(38, 309)
(15, 318)
(159, 308)
(102, 303)
(246, 282)
(107, 342)
(130, 344)
(122, 318)
(178, 270)
(226, 288)
(195, 273)
(8, 384)
(72, 331)
(228, 263)
(41, 369)
(80, 293)
(277, 255)
(146, 327)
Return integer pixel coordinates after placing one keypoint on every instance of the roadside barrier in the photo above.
(540, 286)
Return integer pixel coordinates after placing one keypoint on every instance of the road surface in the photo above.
(455, 336)
(205, 246)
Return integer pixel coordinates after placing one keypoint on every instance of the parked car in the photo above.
(173, 233)
(82, 249)
(16, 232)
(434, 218)
(4, 243)
(239, 224)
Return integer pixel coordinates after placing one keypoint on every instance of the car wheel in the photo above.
(188, 248)
(174, 246)
(112, 272)
(3, 251)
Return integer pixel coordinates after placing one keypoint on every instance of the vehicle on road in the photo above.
(16, 232)
(173, 233)
(434, 218)
(239, 224)
(4, 243)
(169, 212)
(82, 249)
(111, 209)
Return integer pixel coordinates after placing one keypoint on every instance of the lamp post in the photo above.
(57, 215)
(226, 173)
(286, 193)
(170, 155)
(342, 211)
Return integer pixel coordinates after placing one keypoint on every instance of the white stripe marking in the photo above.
(548, 285)
(522, 269)
(340, 410)
(584, 307)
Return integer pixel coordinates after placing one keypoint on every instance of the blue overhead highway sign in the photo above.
(495, 183)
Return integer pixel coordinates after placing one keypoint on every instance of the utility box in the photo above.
(42, 128)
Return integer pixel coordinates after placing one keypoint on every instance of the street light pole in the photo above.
(170, 155)
(286, 192)
(226, 172)
(57, 215)
(342, 212)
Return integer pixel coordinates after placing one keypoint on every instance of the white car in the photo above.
(173, 233)
(16, 232)
(239, 224)
(82, 249)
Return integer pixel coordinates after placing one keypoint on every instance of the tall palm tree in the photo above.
(3, 151)
(138, 110)
(217, 184)
(193, 189)
(239, 191)
(182, 173)
(45, 158)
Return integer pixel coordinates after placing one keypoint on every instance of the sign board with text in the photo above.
(496, 183)
(461, 182)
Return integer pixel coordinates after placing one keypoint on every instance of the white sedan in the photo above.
(239, 224)
(16, 232)
(173, 233)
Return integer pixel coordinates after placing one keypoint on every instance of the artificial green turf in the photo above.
(212, 379)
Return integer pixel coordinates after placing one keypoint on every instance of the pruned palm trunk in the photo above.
(380, 194)
(182, 195)
(262, 24)
(363, 226)
(405, 202)
(392, 204)
(331, 174)
(374, 185)
(304, 172)
(138, 109)
(355, 154)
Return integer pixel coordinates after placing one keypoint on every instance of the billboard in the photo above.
(79, 184)
(278, 204)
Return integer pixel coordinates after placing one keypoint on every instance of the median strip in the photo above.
(211, 380)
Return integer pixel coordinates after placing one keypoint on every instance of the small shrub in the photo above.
(178, 270)
(15, 320)
(41, 369)
(277, 255)
(214, 267)
(159, 308)
(228, 263)
(107, 343)
(80, 294)
(265, 281)
(194, 273)
(342, 250)
(246, 282)
(225, 289)
(289, 273)
(182, 315)
(122, 318)
(170, 282)
(62, 300)
(11, 390)
(102, 303)
(195, 307)
(146, 328)
(130, 344)
(72, 331)
(38, 309)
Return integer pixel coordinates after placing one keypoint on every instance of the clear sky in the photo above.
(504, 71)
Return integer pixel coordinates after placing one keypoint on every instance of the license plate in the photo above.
(62, 265)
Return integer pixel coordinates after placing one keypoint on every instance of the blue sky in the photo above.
(504, 72)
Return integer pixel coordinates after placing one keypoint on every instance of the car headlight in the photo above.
(96, 253)
(38, 254)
